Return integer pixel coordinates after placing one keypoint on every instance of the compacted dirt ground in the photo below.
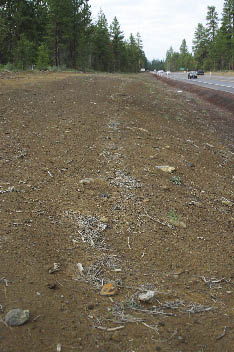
(119, 180)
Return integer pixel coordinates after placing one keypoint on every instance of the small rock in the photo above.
(166, 168)
(104, 219)
(189, 164)
(80, 268)
(195, 203)
(146, 200)
(90, 306)
(179, 224)
(109, 290)
(146, 296)
(52, 286)
(104, 196)
(59, 347)
(86, 181)
(227, 202)
(143, 130)
(17, 317)
(54, 268)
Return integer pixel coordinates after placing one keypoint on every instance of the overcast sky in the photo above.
(161, 23)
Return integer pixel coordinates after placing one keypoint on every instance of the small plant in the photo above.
(176, 180)
(172, 216)
(132, 303)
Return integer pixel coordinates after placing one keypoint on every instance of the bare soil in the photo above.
(79, 183)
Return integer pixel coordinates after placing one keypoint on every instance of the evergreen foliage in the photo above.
(62, 33)
(43, 57)
(213, 44)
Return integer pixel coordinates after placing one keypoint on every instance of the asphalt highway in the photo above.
(223, 83)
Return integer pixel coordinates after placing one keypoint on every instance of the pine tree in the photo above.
(40, 20)
(200, 45)
(59, 29)
(102, 59)
(228, 30)
(228, 16)
(43, 57)
(116, 36)
(140, 52)
(24, 54)
(17, 26)
(219, 51)
(79, 38)
(172, 60)
(132, 54)
(212, 23)
(185, 59)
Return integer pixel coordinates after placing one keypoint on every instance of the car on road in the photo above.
(200, 72)
(192, 74)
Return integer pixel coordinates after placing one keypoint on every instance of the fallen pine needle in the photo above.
(129, 244)
(110, 329)
(38, 316)
(151, 327)
(222, 335)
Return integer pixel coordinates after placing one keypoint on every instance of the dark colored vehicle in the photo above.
(192, 74)
(200, 72)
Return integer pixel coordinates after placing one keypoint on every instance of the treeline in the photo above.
(61, 33)
(213, 44)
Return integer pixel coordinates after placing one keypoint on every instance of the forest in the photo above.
(62, 34)
(213, 44)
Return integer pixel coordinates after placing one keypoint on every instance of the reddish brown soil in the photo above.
(171, 233)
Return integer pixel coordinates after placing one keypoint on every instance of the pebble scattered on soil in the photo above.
(166, 168)
(17, 317)
(146, 296)
(109, 290)
(86, 181)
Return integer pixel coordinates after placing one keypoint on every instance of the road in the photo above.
(223, 83)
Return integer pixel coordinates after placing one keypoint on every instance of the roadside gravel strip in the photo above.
(221, 99)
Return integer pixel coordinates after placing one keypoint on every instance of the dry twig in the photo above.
(110, 329)
(222, 335)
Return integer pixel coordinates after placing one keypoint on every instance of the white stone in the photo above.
(146, 296)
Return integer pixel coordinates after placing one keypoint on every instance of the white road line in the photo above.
(226, 80)
(209, 83)
(216, 84)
